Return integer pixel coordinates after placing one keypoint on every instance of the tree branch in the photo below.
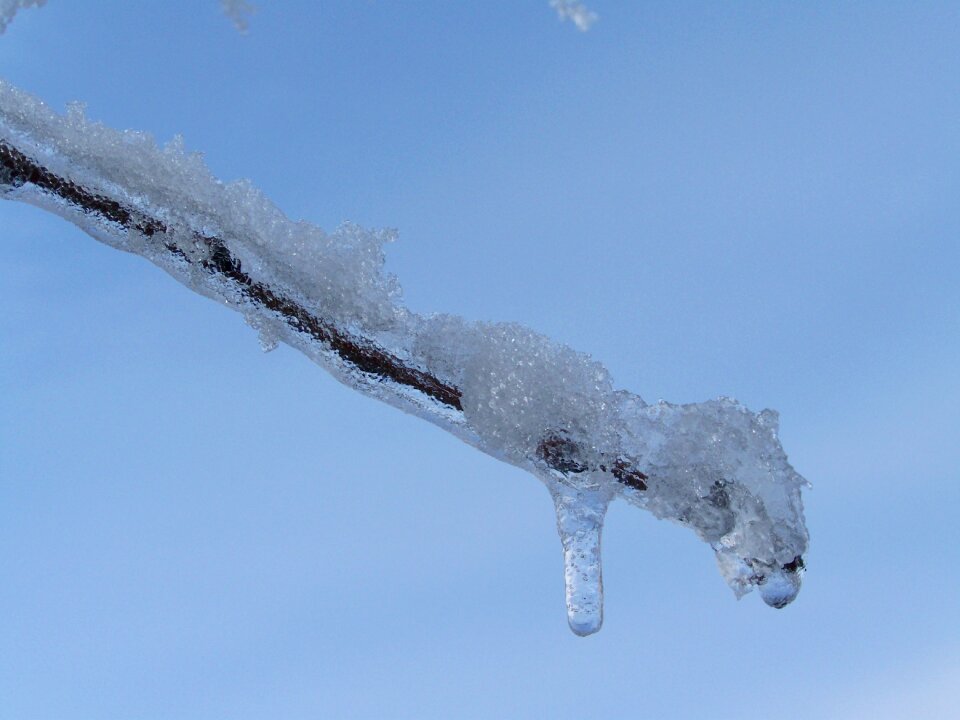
(17, 169)
(716, 467)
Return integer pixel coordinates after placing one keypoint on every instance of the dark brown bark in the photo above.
(17, 169)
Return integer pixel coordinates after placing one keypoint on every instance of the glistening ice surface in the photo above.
(714, 467)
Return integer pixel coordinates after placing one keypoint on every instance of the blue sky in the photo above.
(748, 199)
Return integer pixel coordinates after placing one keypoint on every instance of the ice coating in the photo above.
(519, 387)
(719, 469)
(714, 467)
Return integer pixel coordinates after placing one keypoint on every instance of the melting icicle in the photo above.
(580, 523)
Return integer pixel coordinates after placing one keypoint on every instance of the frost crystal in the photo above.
(714, 467)
(575, 11)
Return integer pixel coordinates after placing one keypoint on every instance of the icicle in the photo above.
(580, 516)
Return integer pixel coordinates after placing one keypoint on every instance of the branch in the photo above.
(714, 467)
(365, 356)
(17, 170)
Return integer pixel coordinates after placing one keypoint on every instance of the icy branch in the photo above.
(714, 467)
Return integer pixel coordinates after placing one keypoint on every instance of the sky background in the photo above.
(713, 198)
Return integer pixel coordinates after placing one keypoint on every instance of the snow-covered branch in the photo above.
(714, 467)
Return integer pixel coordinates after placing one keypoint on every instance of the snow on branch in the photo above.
(714, 467)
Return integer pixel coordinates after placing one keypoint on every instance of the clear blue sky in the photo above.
(741, 198)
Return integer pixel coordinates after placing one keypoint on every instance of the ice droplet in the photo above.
(580, 522)
(780, 589)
